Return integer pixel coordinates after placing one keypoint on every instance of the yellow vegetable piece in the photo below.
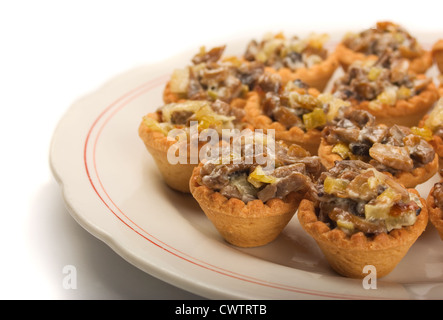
(207, 118)
(399, 37)
(314, 119)
(244, 90)
(382, 206)
(258, 177)
(212, 94)
(435, 118)
(261, 56)
(373, 74)
(342, 150)
(154, 125)
(404, 93)
(389, 196)
(334, 105)
(424, 132)
(389, 96)
(377, 211)
(343, 224)
(317, 40)
(325, 97)
(284, 52)
(270, 47)
(335, 186)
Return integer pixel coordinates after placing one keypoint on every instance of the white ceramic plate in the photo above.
(112, 188)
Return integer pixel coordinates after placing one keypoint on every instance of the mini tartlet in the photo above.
(296, 112)
(169, 130)
(212, 76)
(304, 59)
(374, 42)
(431, 128)
(397, 150)
(386, 89)
(361, 217)
(435, 207)
(251, 203)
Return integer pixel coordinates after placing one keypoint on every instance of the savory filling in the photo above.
(294, 106)
(385, 36)
(381, 82)
(433, 125)
(355, 197)
(211, 78)
(432, 130)
(438, 195)
(245, 178)
(278, 52)
(217, 115)
(388, 149)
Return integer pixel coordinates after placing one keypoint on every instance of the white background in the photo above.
(54, 52)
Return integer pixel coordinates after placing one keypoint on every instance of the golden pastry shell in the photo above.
(348, 255)
(242, 224)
